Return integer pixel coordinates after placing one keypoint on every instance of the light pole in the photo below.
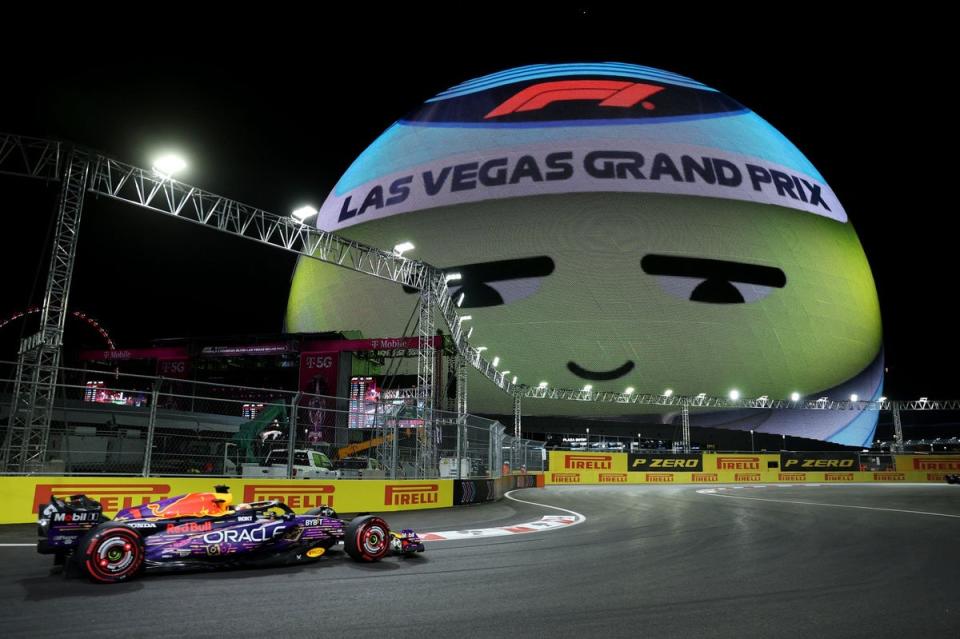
(752, 448)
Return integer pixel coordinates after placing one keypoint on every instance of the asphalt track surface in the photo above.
(648, 561)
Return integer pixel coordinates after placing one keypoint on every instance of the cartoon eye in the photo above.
(495, 283)
(713, 281)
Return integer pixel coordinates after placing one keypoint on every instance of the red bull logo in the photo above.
(660, 478)
(565, 478)
(610, 93)
(613, 478)
(738, 463)
(936, 463)
(588, 462)
(293, 495)
(191, 527)
(112, 497)
(411, 494)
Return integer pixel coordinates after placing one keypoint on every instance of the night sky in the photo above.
(271, 109)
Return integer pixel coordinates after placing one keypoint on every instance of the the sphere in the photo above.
(617, 226)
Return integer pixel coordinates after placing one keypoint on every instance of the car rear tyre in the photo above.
(111, 553)
(367, 539)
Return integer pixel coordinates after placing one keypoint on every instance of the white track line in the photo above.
(16, 545)
(580, 518)
(544, 524)
(813, 503)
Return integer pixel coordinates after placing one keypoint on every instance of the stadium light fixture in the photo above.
(168, 164)
(496, 361)
(514, 380)
(403, 247)
(854, 397)
(734, 394)
(794, 397)
(668, 392)
(470, 332)
(542, 385)
(587, 388)
(464, 318)
(480, 349)
(629, 390)
(451, 277)
(303, 213)
(882, 399)
(505, 373)
(460, 299)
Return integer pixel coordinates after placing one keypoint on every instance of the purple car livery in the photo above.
(203, 530)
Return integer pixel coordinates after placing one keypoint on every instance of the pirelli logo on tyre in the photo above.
(838, 476)
(411, 494)
(792, 476)
(112, 497)
(565, 478)
(746, 477)
(293, 495)
(699, 478)
(738, 463)
(889, 477)
(659, 478)
(936, 463)
(588, 462)
(613, 478)
(657, 462)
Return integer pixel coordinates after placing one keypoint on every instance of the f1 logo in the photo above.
(611, 93)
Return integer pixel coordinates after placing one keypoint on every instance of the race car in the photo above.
(203, 530)
(952, 479)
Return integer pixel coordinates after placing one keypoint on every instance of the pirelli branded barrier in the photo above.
(20, 496)
(570, 467)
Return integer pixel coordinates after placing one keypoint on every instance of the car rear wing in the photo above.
(62, 522)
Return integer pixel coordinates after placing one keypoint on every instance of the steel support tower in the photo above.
(38, 362)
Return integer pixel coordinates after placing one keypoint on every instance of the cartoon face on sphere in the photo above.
(616, 226)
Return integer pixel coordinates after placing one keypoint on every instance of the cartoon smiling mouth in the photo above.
(600, 376)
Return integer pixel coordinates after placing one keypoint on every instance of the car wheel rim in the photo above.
(115, 556)
(373, 540)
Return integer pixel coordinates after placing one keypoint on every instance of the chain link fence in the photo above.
(120, 424)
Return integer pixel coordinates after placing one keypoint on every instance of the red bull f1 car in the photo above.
(203, 530)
